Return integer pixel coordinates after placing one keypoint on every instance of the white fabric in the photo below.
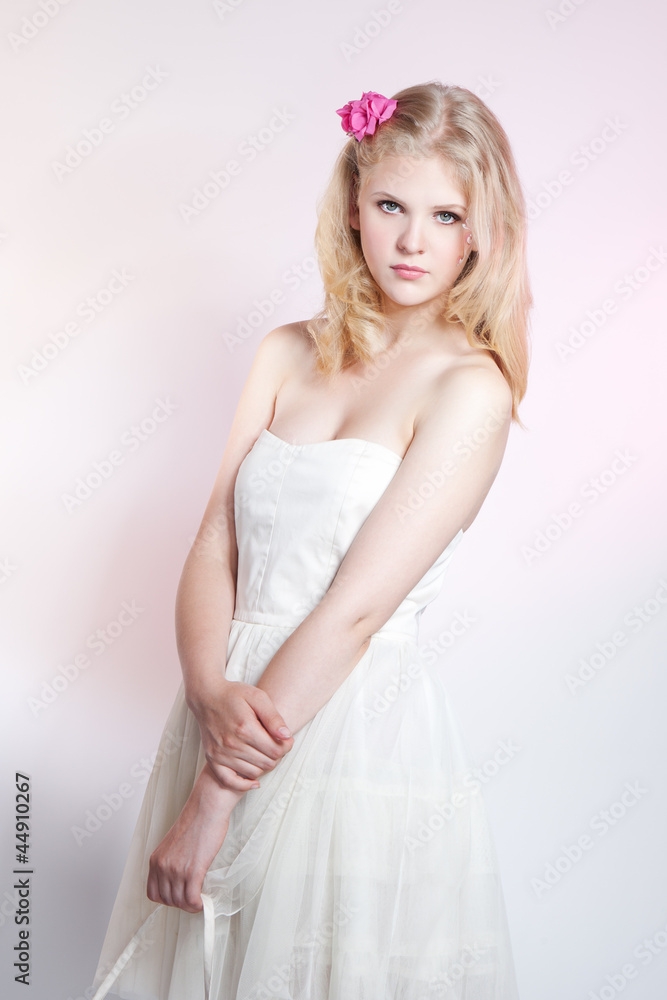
(363, 867)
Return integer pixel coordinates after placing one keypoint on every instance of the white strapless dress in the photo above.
(363, 868)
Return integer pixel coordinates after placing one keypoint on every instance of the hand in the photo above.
(180, 861)
(239, 728)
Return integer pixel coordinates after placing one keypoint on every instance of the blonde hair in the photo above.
(491, 297)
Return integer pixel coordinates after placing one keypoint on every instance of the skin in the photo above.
(431, 390)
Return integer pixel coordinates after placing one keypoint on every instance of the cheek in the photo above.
(454, 241)
(374, 238)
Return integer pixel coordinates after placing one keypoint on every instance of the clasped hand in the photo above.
(239, 727)
(241, 734)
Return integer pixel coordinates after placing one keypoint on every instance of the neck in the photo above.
(402, 323)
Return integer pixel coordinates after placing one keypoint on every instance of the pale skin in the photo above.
(432, 391)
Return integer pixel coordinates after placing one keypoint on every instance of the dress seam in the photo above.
(340, 512)
(273, 524)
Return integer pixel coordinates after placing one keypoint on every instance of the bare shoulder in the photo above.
(480, 376)
(285, 346)
(469, 388)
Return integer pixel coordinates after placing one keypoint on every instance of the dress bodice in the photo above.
(297, 510)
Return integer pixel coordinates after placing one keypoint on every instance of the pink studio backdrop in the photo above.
(134, 252)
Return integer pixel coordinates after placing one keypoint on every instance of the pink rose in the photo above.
(361, 117)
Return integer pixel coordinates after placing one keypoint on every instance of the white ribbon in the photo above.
(128, 952)
(209, 941)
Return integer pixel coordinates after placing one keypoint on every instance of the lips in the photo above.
(406, 267)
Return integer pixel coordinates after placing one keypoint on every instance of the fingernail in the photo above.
(284, 731)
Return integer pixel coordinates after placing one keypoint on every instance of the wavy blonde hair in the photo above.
(491, 297)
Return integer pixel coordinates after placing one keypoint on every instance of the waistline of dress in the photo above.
(269, 620)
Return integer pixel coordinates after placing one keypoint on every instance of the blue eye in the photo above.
(452, 216)
(380, 203)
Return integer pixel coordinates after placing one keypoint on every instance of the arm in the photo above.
(397, 543)
(207, 589)
(180, 861)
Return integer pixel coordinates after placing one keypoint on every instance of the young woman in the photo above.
(313, 796)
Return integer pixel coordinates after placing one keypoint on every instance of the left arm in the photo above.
(445, 476)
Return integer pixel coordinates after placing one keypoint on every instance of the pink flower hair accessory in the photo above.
(360, 118)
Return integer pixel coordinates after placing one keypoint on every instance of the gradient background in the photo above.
(555, 81)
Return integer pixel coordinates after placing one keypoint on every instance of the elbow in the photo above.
(362, 628)
(350, 629)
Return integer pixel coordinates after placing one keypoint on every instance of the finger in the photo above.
(155, 879)
(164, 889)
(192, 895)
(245, 744)
(271, 719)
(237, 758)
(253, 771)
(184, 898)
(229, 778)
(152, 890)
(244, 756)
(253, 742)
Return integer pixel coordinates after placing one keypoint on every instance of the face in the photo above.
(411, 214)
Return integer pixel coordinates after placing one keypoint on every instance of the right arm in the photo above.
(207, 590)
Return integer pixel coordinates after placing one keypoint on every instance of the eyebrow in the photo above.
(436, 208)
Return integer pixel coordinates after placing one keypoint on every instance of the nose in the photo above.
(411, 239)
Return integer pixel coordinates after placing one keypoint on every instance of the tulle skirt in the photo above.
(363, 868)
